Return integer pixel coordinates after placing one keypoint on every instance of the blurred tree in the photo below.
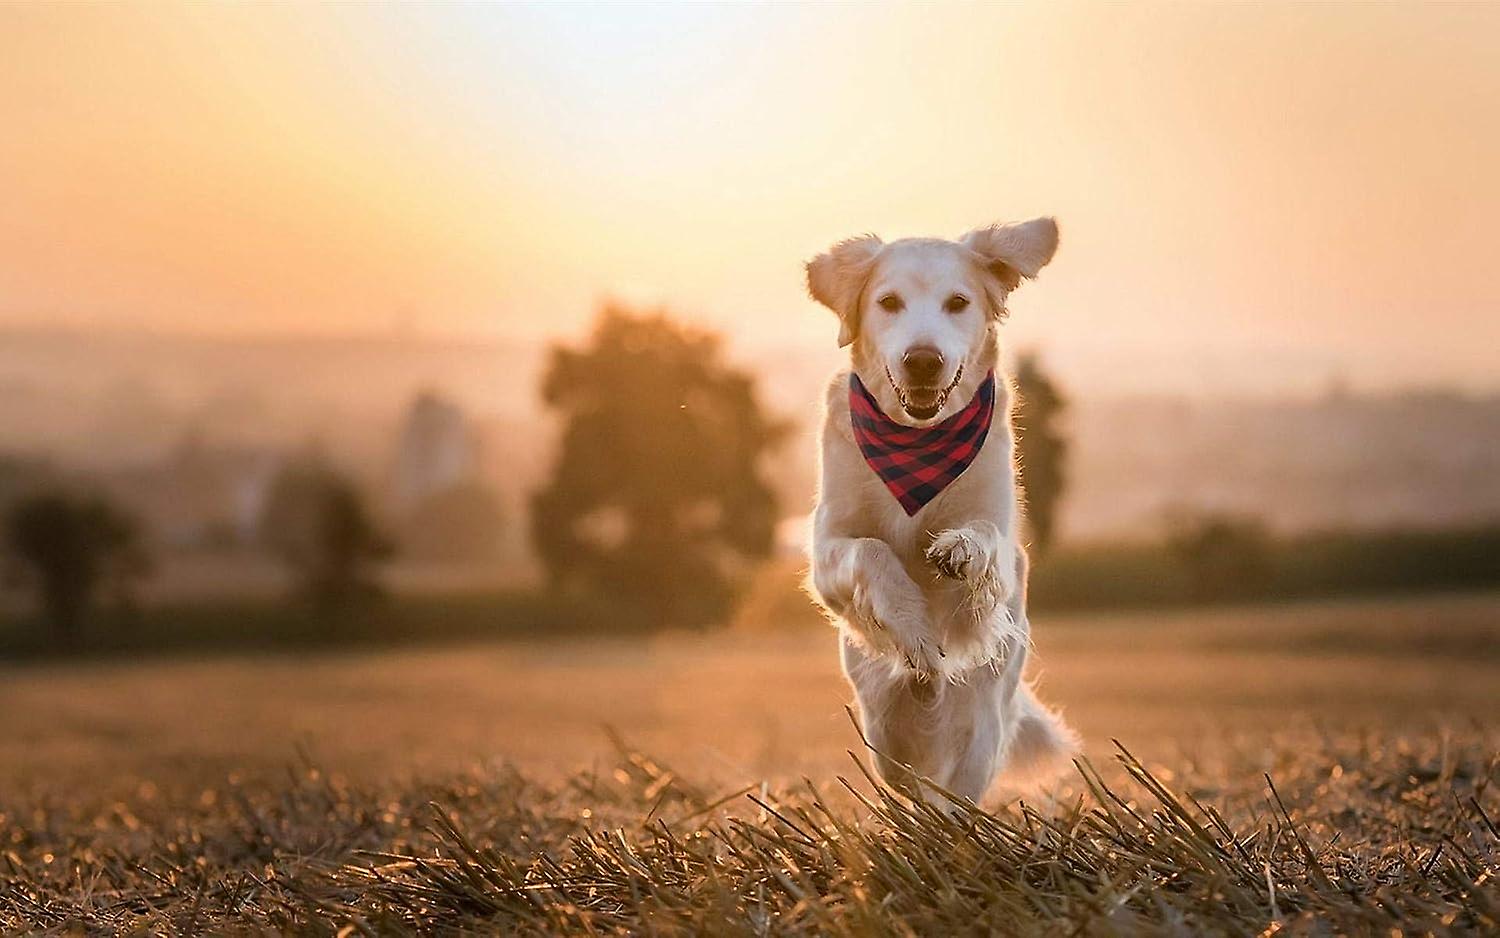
(317, 522)
(657, 502)
(68, 545)
(1224, 556)
(461, 522)
(1042, 450)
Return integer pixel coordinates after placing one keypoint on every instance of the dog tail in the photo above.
(1043, 746)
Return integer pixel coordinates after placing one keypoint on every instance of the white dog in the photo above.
(915, 551)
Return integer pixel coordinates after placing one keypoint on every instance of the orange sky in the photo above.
(1280, 194)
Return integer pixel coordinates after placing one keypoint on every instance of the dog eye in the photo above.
(956, 303)
(891, 303)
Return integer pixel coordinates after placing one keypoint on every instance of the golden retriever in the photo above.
(929, 588)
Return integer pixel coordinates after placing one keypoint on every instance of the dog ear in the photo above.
(1014, 252)
(836, 279)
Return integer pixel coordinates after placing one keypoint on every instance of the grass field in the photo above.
(291, 791)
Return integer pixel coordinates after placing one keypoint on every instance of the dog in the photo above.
(915, 550)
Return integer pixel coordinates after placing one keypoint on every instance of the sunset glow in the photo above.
(1284, 194)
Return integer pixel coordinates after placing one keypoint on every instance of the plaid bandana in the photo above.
(917, 463)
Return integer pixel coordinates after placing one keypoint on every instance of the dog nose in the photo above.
(923, 364)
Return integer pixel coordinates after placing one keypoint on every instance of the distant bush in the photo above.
(248, 624)
(1098, 577)
(318, 523)
(1393, 561)
(68, 546)
(1104, 576)
(1224, 556)
(1246, 565)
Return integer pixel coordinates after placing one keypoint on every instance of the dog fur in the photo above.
(932, 607)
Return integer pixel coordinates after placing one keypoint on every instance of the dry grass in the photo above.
(1293, 774)
(1351, 835)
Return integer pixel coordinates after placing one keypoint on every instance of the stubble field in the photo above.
(1322, 767)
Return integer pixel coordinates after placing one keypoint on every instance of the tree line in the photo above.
(659, 503)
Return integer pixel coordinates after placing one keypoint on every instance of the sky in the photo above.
(1250, 195)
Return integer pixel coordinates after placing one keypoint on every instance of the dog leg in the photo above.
(994, 723)
(862, 581)
(964, 734)
(979, 744)
(952, 734)
(992, 571)
(898, 716)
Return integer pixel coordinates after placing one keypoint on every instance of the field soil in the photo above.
(729, 706)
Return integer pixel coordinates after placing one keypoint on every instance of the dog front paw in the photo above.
(955, 554)
(893, 624)
(973, 557)
(967, 555)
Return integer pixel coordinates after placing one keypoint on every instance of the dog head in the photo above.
(921, 310)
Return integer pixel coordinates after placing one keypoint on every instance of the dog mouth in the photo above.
(923, 403)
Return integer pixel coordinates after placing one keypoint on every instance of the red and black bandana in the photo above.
(916, 463)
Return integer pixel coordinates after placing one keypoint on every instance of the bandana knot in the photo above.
(917, 463)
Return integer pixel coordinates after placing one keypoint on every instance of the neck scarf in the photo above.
(917, 463)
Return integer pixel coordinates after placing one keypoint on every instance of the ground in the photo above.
(171, 794)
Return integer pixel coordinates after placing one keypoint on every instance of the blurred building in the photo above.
(436, 452)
